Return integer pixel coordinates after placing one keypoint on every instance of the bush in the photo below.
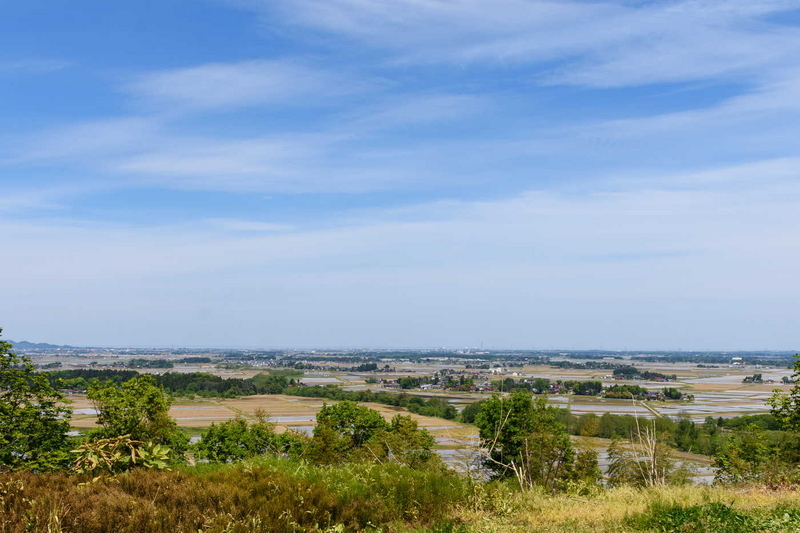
(716, 517)
(235, 439)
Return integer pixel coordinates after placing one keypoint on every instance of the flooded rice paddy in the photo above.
(717, 392)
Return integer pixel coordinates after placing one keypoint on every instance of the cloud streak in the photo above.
(604, 44)
(242, 84)
(638, 247)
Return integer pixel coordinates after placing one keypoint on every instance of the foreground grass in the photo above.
(627, 509)
(278, 495)
(267, 495)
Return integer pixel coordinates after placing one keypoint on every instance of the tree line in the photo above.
(277, 382)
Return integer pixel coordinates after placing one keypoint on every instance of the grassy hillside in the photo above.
(280, 495)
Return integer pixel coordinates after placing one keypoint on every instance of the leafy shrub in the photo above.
(118, 454)
(235, 439)
(716, 517)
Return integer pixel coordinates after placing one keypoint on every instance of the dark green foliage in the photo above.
(354, 423)
(671, 393)
(408, 382)
(34, 420)
(525, 440)
(234, 440)
(270, 383)
(588, 425)
(342, 430)
(766, 421)
(80, 378)
(471, 411)
(587, 388)
(180, 384)
(348, 432)
(138, 408)
(275, 382)
(195, 360)
(405, 443)
(149, 363)
(540, 385)
(586, 469)
(714, 517)
(786, 407)
(620, 426)
(543, 386)
(448, 526)
(626, 392)
(631, 372)
(416, 404)
(681, 432)
(751, 454)
(626, 372)
(707, 518)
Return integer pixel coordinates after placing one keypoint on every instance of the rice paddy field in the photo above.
(718, 392)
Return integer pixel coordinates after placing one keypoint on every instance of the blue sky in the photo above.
(388, 173)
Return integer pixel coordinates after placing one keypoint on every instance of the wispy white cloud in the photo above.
(22, 202)
(658, 217)
(341, 156)
(33, 66)
(246, 83)
(773, 101)
(616, 253)
(240, 225)
(97, 138)
(413, 109)
(602, 43)
(299, 163)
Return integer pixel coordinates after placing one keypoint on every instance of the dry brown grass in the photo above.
(609, 510)
(264, 496)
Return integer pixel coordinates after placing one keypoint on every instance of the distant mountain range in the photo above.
(25, 345)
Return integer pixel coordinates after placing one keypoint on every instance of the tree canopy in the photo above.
(351, 432)
(786, 407)
(35, 417)
(525, 439)
(138, 408)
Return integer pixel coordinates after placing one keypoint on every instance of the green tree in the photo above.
(588, 425)
(354, 422)
(525, 440)
(34, 418)
(342, 429)
(744, 456)
(403, 442)
(470, 412)
(671, 393)
(408, 382)
(138, 408)
(786, 407)
(234, 440)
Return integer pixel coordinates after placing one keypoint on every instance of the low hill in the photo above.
(39, 346)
